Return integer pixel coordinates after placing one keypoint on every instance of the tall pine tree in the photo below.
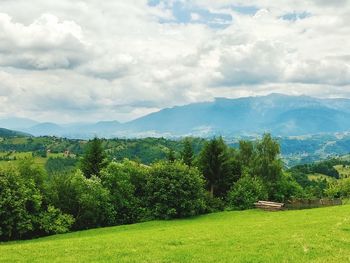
(171, 155)
(94, 158)
(187, 152)
(214, 162)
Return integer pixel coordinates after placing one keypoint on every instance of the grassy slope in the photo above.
(23, 155)
(317, 235)
(343, 171)
(317, 176)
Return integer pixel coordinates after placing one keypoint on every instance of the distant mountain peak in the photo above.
(277, 113)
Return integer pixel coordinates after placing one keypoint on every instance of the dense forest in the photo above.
(92, 184)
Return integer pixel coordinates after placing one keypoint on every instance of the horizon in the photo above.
(174, 106)
(117, 60)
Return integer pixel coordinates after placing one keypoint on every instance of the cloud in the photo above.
(46, 43)
(252, 63)
(92, 60)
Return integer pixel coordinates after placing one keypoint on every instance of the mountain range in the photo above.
(281, 115)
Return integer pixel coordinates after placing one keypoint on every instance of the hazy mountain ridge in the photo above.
(6, 133)
(276, 113)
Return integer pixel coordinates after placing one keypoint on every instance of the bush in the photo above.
(20, 201)
(53, 221)
(213, 204)
(124, 181)
(288, 188)
(339, 188)
(245, 192)
(175, 190)
(29, 171)
(86, 199)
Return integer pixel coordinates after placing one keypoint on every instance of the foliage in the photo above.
(214, 204)
(187, 153)
(94, 158)
(149, 150)
(268, 166)
(171, 155)
(287, 188)
(339, 189)
(245, 192)
(30, 171)
(262, 160)
(174, 190)
(20, 201)
(59, 164)
(312, 188)
(214, 163)
(53, 221)
(35, 202)
(22, 211)
(124, 182)
(83, 198)
(323, 167)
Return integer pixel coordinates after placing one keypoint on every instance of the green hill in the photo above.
(317, 235)
(5, 133)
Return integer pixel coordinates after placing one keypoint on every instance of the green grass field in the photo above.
(343, 171)
(317, 176)
(316, 235)
(40, 161)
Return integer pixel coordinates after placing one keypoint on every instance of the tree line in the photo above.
(106, 193)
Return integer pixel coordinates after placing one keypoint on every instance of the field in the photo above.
(316, 235)
(321, 176)
(15, 158)
(344, 171)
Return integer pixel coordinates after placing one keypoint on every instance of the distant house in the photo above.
(66, 153)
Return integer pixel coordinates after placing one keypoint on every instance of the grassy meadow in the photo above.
(344, 171)
(18, 156)
(316, 235)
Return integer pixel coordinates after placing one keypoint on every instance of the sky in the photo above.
(91, 60)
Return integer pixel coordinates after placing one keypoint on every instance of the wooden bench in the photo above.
(269, 206)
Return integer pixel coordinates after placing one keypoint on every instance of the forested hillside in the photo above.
(64, 185)
(294, 150)
(5, 133)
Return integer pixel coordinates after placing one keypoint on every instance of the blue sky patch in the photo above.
(185, 12)
(295, 16)
(247, 10)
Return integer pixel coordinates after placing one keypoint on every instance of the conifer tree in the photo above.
(171, 155)
(94, 158)
(214, 162)
(187, 152)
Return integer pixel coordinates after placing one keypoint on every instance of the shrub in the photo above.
(86, 199)
(175, 190)
(30, 171)
(20, 201)
(126, 182)
(53, 221)
(339, 188)
(213, 204)
(287, 188)
(245, 192)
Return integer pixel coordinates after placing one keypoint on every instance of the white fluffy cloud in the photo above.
(93, 60)
(44, 44)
